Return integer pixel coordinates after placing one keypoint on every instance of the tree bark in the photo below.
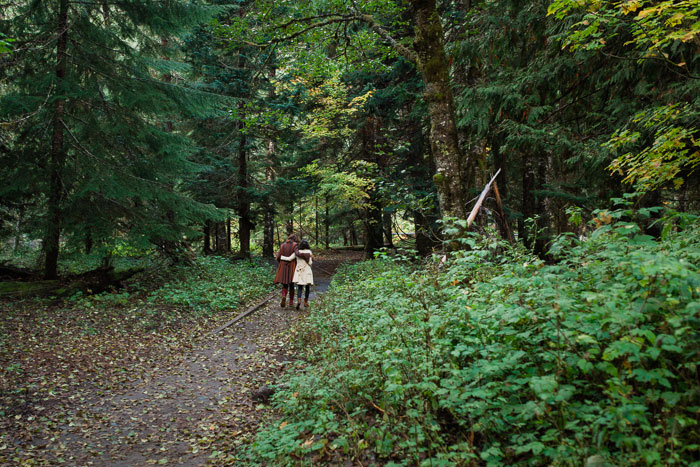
(88, 240)
(528, 201)
(388, 228)
(316, 216)
(269, 216)
(228, 234)
(18, 229)
(450, 177)
(245, 224)
(327, 221)
(244, 221)
(221, 237)
(541, 208)
(353, 235)
(57, 157)
(372, 221)
(269, 221)
(207, 238)
(373, 227)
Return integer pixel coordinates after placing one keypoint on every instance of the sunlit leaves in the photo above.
(674, 148)
(655, 26)
(344, 187)
(658, 147)
(5, 44)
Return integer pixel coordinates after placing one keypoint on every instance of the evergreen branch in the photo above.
(79, 145)
(578, 99)
(265, 62)
(666, 61)
(404, 51)
(311, 18)
(341, 19)
(31, 114)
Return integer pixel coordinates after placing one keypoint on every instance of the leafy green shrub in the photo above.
(503, 360)
(215, 283)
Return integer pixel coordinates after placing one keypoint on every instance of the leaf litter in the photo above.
(135, 382)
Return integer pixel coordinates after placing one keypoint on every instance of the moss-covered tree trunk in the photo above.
(372, 221)
(57, 157)
(450, 178)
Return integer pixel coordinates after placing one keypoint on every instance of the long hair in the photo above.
(293, 238)
(304, 245)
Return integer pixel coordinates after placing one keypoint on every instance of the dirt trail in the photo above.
(198, 408)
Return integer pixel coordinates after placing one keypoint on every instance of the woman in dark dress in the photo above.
(285, 270)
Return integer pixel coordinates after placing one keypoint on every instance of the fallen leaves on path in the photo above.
(131, 382)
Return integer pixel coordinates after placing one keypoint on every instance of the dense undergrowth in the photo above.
(498, 358)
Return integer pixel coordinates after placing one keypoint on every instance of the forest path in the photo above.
(197, 408)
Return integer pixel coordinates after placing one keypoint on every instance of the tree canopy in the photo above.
(224, 123)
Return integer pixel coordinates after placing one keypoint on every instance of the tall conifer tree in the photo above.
(92, 121)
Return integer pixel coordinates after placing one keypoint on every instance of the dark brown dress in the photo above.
(285, 270)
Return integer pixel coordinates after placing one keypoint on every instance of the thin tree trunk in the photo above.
(500, 164)
(372, 221)
(244, 223)
(422, 228)
(301, 226)
(328, 225)
(57, 157)
(541, 208)
(388, 228)
(18, 229)
(269, 221)
(216, 237)
(528, 202)
(316, 217)
(425, 219)
(353, 235)
(88, 240)
(373, 227)
(221, 237)
(207, 237)
(269, 216)
(228, 234)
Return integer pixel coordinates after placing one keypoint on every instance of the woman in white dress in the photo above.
(303, 275)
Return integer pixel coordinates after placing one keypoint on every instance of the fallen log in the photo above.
(100, 280)
(91, 282)
(9, 272)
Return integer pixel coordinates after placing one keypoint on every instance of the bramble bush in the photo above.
(503, 359)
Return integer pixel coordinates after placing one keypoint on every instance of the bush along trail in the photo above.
(137, 377)
(497, 358)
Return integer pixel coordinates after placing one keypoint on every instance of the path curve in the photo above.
(199, 408)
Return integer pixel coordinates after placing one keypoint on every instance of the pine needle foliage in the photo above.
(124, 94)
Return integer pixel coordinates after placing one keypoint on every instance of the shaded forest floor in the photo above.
(108, 383)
